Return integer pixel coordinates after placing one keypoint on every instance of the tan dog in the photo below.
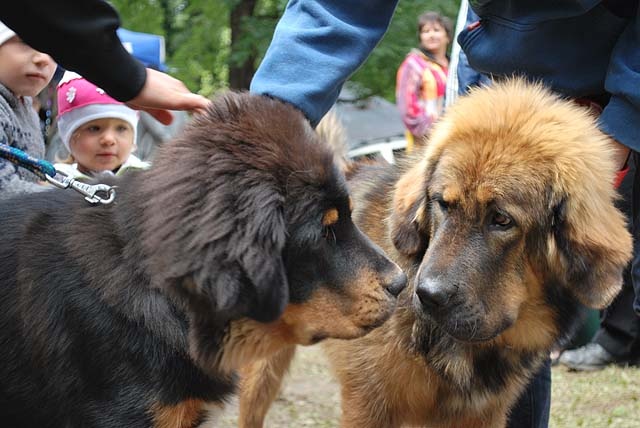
(505, 225)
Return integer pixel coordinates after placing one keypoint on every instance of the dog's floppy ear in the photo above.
(218, 244)
(249, 235)
(591, 245)
(408, 222)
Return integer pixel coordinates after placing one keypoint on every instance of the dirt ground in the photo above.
(310, 398)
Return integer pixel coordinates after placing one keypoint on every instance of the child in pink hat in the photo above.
(98, 131)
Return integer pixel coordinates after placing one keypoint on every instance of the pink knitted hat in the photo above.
(80, 101)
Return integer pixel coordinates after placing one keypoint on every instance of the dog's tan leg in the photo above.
(259, 386)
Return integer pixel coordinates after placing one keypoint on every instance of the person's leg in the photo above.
(619, 330)
(533, 407)
(619, 333)
(635, 264)
(620, 327)
(615, 342)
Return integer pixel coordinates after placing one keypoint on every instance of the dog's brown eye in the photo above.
(444, 205)
(501, 220)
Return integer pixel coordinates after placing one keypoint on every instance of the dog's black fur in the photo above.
(133, 314)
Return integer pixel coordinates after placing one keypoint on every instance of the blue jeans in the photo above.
(635, 230)
(532, 409)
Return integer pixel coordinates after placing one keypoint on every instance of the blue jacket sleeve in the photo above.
(621, 116)
(316, 46)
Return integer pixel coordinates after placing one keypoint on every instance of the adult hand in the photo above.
(162, 93)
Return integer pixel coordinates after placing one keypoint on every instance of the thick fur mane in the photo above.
(234, 190)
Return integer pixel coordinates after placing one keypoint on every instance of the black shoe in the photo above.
(589, 357)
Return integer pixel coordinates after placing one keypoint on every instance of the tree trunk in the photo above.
(240, 74)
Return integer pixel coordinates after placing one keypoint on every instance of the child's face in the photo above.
(102, 144)
(24, 70)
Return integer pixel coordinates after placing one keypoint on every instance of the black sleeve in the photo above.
(81, 36)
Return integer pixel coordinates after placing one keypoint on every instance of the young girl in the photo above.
(98, 131)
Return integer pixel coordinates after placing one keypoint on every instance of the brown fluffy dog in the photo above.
(505, 225)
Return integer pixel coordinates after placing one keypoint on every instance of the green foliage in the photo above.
(200, 45)
(198, 38)
(259, 28)
(147, 16)
(197, 35)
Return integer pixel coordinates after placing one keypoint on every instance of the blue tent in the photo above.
(148, 48)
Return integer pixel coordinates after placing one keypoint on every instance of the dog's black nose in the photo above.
(397, 284)
(434, 293)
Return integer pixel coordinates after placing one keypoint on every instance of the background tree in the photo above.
(213, 44)
(251, 23)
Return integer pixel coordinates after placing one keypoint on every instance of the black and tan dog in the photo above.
(505, 226)
(237, 242)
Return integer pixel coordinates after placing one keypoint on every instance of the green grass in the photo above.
(606, 398)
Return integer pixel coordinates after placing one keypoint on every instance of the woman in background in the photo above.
(422, 77)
